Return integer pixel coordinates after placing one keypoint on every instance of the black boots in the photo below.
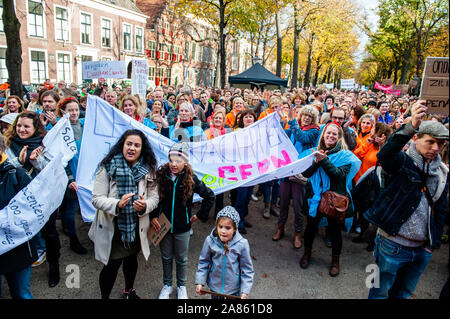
(53, 275)
(76, 246)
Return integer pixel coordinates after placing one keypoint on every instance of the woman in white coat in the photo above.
(124, 193)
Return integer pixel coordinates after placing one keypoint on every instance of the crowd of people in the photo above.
(379, 159)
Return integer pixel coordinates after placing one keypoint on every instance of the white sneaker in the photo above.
(182, 293)
(254, 198)
(165, 292)
(191, 232)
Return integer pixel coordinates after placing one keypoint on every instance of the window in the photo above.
(206, 55)
(169, 76)
(151, 73)
(61, 24)
(63, 67)
(194, 48)
(127, 37)
(105, 58)
(38, 67)
(86, 28)
(139, 34)
(200, 53)
(152, 49)
(3, 69)
(235, 63)
(1, 19)
(86, 58)
(186, 51)
(106, 33)
(35, 19)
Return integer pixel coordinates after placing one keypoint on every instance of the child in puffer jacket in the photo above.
(225, 264)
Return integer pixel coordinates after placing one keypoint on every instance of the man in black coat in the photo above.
(15, 264)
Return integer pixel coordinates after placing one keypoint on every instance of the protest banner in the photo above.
(30, 209)
(139, 77)
(60, 139)
(258, 152)
(156, 236)
(347, 84)
(106, 69)
(329, 86)
(387, 82)
(435, 85)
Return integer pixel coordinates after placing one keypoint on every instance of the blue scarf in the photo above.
(338, 159)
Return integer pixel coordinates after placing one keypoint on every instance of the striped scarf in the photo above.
(126, 179)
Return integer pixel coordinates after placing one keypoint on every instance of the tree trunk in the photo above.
(308, 66)
(405, 65)
(13, 48)
(279, 44)
(329, 74)
(296, 47)
(316, 76)
(223, 67)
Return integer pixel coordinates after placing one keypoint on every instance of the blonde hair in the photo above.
(341, 139)
(309, 110)
(135, 101)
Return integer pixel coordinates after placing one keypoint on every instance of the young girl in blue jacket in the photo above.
(225, 264)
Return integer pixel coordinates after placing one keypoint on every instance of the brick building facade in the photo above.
(57, 35)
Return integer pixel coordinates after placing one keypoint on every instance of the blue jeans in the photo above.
(271, 187)
(242, 200)
(400, 269)
(175, 245)
(68, 209)
(19, 283)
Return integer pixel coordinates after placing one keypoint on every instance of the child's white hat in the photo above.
(230, 212)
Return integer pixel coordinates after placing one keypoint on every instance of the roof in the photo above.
(257, 74)
(126, 4)
(151, 8)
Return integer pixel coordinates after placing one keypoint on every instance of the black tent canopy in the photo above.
(257, 75)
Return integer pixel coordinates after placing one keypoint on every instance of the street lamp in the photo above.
(256, 59)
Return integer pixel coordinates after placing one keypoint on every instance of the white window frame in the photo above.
(106, 58)
(69, 19)
(44, 21)
(30, 62)
(6, 68)
(70, 65)
(131, 36)
(101, 32)
(92, 29)
(152, 56)
(151, 77)
(2, 29)
(142, 39)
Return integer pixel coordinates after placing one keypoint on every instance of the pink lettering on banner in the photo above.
(243, 170)
(263, 166)
(278, 162)
(230, 169)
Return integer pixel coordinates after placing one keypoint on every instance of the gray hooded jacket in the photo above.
(230, 273)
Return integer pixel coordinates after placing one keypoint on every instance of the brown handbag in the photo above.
(334, 205)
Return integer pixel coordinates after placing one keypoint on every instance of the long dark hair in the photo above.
(146, 152)
(40, 130)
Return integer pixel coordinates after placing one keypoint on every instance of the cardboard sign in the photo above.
(139, 77)
(435, 85)
(156, 236)
(412, 83)
(402, 87)
(387, 82)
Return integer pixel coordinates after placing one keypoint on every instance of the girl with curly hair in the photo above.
(177, 184)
